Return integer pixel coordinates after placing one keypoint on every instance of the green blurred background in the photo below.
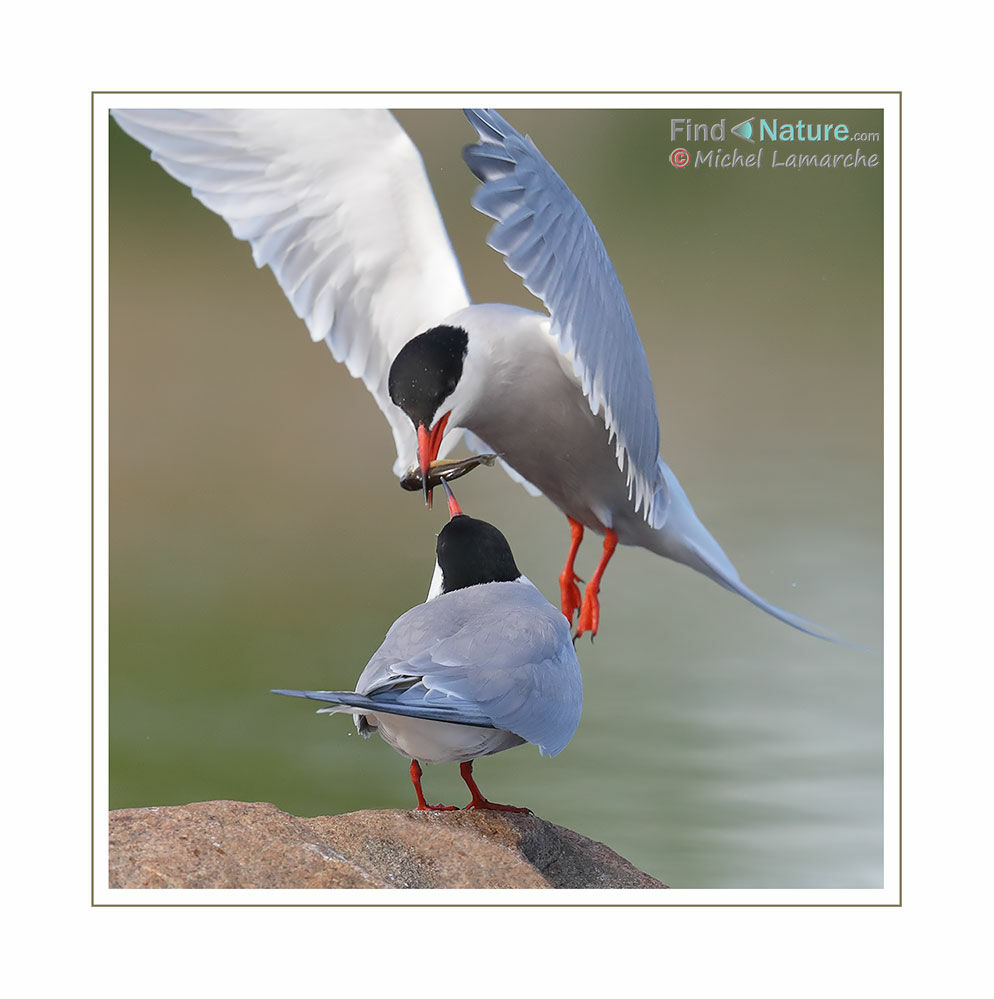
(258, 538)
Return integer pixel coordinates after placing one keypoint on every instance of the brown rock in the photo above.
(236, 844)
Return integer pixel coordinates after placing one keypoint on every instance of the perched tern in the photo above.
(485, 664)
(338, 204)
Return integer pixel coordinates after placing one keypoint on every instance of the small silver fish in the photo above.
(444, 471)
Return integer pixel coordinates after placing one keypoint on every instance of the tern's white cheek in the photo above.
(436, 583)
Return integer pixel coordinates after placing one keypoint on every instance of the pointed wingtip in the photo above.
(482, 119)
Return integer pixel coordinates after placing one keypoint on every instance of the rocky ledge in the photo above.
(237, 844)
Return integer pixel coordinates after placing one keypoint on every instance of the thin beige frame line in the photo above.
(578, 905)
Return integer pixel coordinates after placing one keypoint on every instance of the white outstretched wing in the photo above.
(547, 238)
(337, 203)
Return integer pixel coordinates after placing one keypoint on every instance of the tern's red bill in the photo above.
(429, 441)
(454, 510)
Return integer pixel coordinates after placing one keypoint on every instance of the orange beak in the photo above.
(429, 441)
(454, 510)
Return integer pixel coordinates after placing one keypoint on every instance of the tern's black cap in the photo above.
(427, 370)
(471, 552)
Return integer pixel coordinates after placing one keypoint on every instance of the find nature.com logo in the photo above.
(771, 130)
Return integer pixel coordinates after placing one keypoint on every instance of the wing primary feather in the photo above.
(548, 239)
(388, 703)
(337, 203)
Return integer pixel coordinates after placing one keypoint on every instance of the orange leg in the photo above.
(466, 772)
(568, 579)
(423, 805)
(591, 611)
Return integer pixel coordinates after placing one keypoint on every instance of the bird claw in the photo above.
(436, 808)
(590, 614)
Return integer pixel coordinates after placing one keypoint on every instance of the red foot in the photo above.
(484, 805)
(590, 612)
(569, 591)
(479, 802)
(423, 805)
(570, 594)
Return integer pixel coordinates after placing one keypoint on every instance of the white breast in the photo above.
(439, 742)
(520, 396)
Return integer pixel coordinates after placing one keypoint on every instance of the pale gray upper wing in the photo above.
(500, 648)
(337, 203)
(547, 238)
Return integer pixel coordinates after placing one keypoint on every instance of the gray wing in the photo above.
(547, 238)
(407, 699)
(337, 203)
(500, 650)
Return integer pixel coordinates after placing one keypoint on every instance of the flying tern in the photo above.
(485, 664)
(338, 204)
